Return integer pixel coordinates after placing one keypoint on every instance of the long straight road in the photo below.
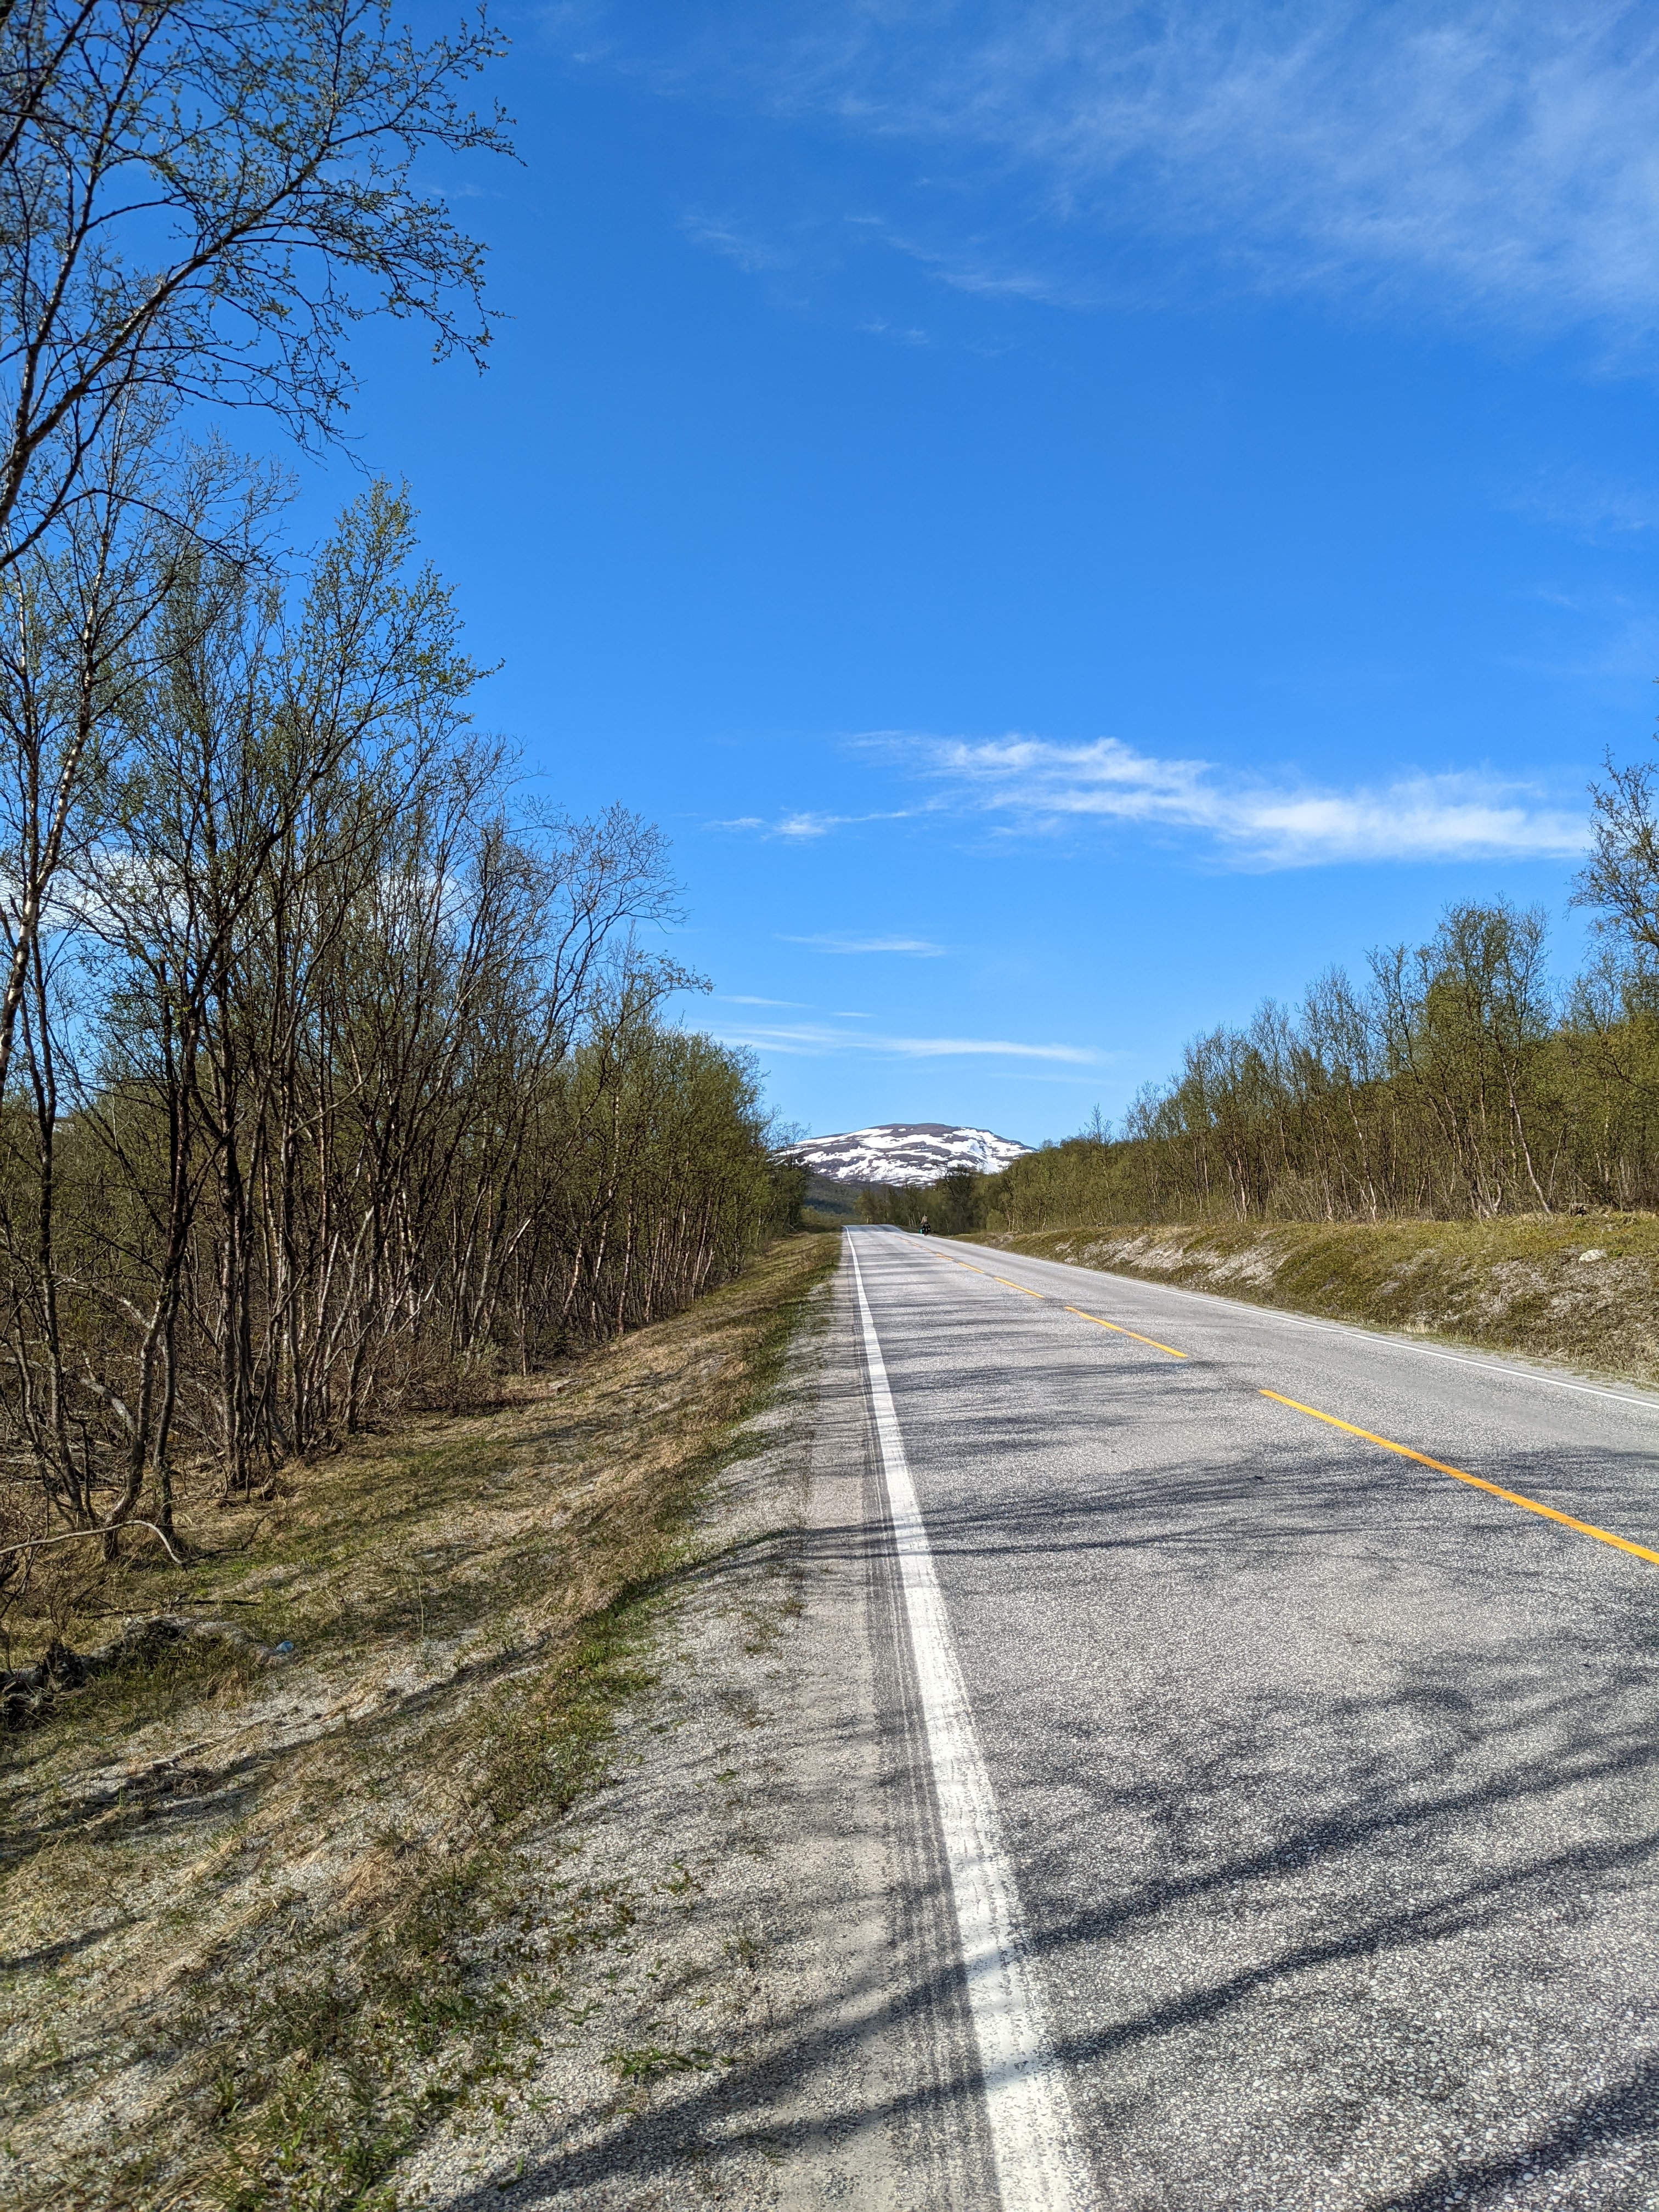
(1318, 1786)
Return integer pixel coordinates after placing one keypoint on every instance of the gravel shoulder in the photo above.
(665, 2072)
(774, 2024)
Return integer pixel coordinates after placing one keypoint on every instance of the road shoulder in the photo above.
(729, 2034)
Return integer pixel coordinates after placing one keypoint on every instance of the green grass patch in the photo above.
(649, 2063)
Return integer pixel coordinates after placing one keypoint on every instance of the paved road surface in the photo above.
(1323, 1783)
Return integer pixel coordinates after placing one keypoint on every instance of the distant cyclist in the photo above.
(924, 1224)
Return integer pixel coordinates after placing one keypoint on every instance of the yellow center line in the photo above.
(1115, 1326)
(1475, 1482)
(1367, 1436)
(1118, 1327)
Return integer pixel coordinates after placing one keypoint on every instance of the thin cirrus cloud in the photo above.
(917, 948)
(1497, 155)
(734, 240)
(800, 827)
(803, 827)
(1596, 508)
(816, 1039)
(1251, 821)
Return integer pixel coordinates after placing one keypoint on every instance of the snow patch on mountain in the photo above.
(905, 1152)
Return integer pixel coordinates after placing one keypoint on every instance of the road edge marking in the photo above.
(1039, 2162)
(1474, 1481)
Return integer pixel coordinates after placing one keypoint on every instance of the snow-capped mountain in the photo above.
(905, 1151)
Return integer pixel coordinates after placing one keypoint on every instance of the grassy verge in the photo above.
(267, 1924)
(1583, 1290)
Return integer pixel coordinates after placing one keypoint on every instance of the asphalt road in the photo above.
(1325, 1782)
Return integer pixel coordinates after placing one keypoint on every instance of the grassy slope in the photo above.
(1583, 1291)
(260, 1921)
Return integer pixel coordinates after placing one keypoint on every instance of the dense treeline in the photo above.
(331, 1081)
(950, 1207)
(1454, 1081)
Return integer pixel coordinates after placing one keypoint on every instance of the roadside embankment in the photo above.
(288, 1906)
(1581, 1290)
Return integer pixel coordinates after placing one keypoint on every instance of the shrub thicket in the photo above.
(334, 1082)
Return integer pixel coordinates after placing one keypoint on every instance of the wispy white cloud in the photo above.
(735, 239)
(743, 999)
(900, 333)
(1255, 821)
(815, 1040)
(1611, 638)
(1252, 820)
(1601, 509)
(1503, 155)
(989, 269)
(807, 825)
(919, 948)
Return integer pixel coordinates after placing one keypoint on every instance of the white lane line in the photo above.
(1039, 2165)
(1372, 1336)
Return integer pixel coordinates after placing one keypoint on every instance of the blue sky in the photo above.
(1071, 517)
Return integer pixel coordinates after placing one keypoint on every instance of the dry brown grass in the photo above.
(1581, 1289)
(263, 1924)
